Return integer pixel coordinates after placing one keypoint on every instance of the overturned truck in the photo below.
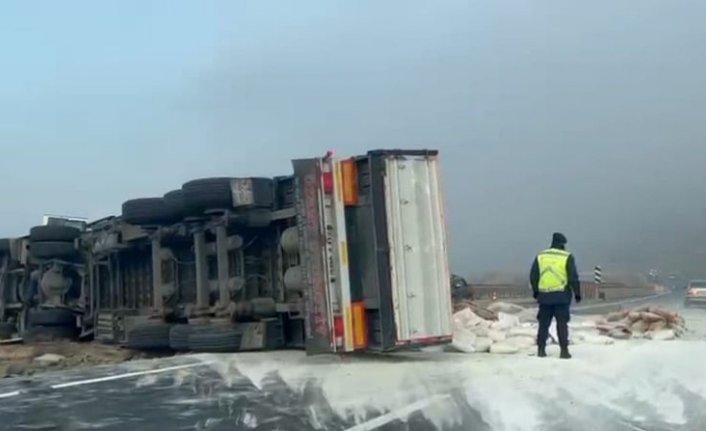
(343, 255)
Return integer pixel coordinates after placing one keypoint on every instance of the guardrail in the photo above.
(611, 291)
(590, 290)
(499, 291)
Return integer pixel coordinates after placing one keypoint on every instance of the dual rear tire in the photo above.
(199, 196)
(50, 324)
(53, 242)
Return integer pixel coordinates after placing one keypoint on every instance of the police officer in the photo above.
(553, 278)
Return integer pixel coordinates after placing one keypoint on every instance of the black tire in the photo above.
(174, 201)
(51, 317)
(49, 333)
(217, 193)
(5, 245)
(53, 233)
(149, 337)
(207, 193)
(148, 211)
(179, 336)
(216, 340)
(7, 330)
(52, 250)
(259, 218)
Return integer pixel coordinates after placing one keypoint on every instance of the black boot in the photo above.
(565, 353)
(541, 352)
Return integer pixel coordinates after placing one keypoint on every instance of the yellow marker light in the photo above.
(360, 326)
(349, 171)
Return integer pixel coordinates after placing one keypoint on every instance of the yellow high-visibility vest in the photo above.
(553, 276)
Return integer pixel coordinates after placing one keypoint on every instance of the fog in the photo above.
(550, 116)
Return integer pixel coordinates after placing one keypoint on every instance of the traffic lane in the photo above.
(267, 392)
(200, 398)
(669, 300)
(152, 402)
(46, 380)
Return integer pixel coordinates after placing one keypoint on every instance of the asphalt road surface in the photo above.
(633, 385)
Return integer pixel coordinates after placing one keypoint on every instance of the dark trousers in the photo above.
(561, 313)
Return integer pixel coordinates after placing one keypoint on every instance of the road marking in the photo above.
(9, 394)
(397, 414)
(627, 301)
(128, 375)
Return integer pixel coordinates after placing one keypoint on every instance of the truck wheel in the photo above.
(5, 246)
(51, 317)
(7, 330)
(174, 201)
(149, 337)
(53, 233)
(49, 333)
(207, 193)
(147, 211)
(216, 340)
(52, 250)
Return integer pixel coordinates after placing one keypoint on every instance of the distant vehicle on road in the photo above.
(695, 293)
(460, 288)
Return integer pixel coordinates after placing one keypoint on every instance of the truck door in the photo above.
(416, 239)
(373, 247)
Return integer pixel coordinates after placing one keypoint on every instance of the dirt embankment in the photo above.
(28, 359)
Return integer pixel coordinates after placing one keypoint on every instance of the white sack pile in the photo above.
(509, 328)
(644, 322)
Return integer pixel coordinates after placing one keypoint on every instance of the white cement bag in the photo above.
(522, 332)
(498, 326)
(662, 335)
(528, 316)
(508, 320)
(480, 331)
(522, 342)
(505, 307)
(482, 344)
(496, 335)
(504, 348)
(485, 324)
(463, 340)
(620, 334)
(467, 318)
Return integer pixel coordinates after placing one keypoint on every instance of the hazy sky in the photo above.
(584, 117)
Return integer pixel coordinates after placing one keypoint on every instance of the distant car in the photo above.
(695, 293)
(460, 288)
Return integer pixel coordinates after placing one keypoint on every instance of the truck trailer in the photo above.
(341, 255)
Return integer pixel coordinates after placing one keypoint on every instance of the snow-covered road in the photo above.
(631, 385)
